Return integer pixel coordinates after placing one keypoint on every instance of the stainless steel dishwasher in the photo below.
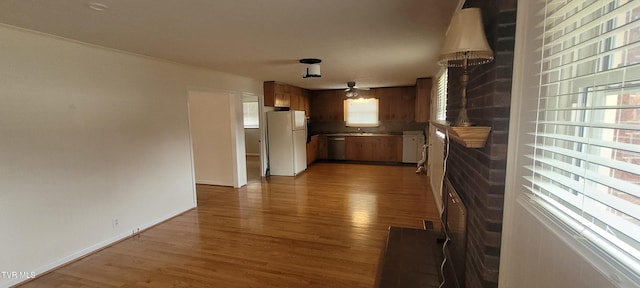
(335, 145)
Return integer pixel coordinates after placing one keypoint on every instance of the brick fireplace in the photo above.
(479, 174)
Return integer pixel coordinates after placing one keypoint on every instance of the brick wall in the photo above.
(479, 174)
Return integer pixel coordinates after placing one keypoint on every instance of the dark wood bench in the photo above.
(411, 258)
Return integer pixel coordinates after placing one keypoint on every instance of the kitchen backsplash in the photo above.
(386, 127)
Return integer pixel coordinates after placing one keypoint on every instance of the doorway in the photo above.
(217, 137)
(253, 136)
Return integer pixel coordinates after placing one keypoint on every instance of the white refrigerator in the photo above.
(287, 142)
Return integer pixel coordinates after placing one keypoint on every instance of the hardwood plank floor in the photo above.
(253, 168)
(324, 228)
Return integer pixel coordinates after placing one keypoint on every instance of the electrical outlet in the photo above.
(114, 222)
(135, 234)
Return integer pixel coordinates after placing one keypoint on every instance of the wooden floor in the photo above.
(324, 228)
(253, 168)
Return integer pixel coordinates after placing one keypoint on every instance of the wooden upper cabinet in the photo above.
(396, 103)
(304, 102)
(278, 94)
(409, 103)
(294, 98)
(283, 95)
(299, 100)
(327, 105)
(269, 90)
(423, 99)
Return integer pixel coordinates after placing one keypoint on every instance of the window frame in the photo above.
(348, 116)
(246, 114)
(442, 82)
(524, 120)
(441, 98)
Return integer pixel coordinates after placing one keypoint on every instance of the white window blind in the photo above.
(441, 94)
(251, 114)
(361, 112)
(585, 162)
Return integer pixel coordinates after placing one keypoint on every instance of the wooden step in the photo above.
(411, 258)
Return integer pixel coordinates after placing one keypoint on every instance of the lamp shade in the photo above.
(465, 40)
(313, 70)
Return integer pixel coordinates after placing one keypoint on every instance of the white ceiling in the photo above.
(377, 43)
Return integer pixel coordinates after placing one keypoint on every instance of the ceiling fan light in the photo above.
(351, 93)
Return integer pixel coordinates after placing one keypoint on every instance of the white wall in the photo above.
(252, 141)
(535, 252)
(214, 134)
(237, 140)
(537, 255)
(87, 135)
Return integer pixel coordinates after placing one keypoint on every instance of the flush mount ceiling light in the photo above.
(313, 67)
(97, 6)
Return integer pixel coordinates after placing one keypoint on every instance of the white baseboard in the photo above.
(214, 183)
(88, 250)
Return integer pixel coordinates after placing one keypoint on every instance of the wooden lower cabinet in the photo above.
(373, 148)
(323, 151)
(390, 149)
(312, 150)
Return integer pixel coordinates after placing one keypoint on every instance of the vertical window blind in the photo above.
(441, 96)
(585, 163)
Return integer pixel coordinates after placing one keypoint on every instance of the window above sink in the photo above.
(361, 112)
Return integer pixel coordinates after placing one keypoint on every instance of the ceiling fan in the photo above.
(352, 91)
